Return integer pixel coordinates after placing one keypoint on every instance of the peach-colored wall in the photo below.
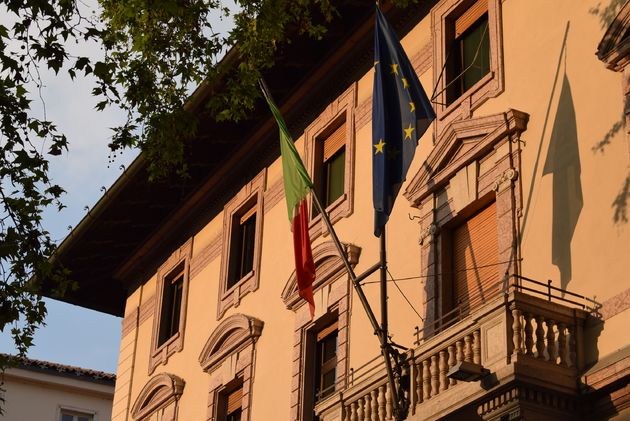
(38, 396)
(533, 33)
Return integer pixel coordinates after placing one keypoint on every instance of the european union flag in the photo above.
(401, 113)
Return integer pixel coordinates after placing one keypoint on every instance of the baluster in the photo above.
(460, 351)
(426, 379)
(443, 370)
(381, 403)
(540, 337)
(477, 347)
(353, 411)
(368, 407)
(551, 340)
(435, 379)
(419, 388)
(389, 408)
(347, 413)
(468, 348)
(529, 338)
(451, 362)
(361, 409)
(374, 405)
(572, 346)
(562, 344)
(517, 336)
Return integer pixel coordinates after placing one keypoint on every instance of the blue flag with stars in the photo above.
(401, 113)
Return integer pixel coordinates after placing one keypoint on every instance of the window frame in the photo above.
(231, 291)
(491, 85)
(340, 111)
(177, 264)
(76, 412)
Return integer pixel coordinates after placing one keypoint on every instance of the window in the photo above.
(329, 156)
(330, 169)
(231, 404)
(468, 48)
(159, 398)
(242, 244)
(171, 305)
(326, 362)
(472, 268)
(469, 56)
(169, 319)
(75, 416)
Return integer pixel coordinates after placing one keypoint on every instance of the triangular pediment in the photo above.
(459, 144)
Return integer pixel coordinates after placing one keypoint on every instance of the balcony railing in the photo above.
(533, 331)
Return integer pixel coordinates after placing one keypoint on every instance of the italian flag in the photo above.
(297, 185)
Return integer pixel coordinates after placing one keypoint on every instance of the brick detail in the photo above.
(273, 195)
(130, 322)
(363, 113)
(423, 59)
(205, 256)
(615, 305)
(146, 310)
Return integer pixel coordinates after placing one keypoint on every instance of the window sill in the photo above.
(448, 109)
(161, 354)
(336, 210)
(234, 288)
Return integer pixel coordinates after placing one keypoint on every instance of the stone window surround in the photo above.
(341, 109)
(251, 192)
(490, 86)
(230, 350)
(489, 149)
(332, 301)
(161, 353)
(161, 391)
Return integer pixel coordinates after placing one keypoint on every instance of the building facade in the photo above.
(41, 390)
(507, 248)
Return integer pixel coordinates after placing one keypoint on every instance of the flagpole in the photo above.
(379, 332)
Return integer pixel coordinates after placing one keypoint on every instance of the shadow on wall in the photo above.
(563, 162)
(608, 12)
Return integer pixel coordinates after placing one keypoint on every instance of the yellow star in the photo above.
(379, 147)
(413, 106)
(405, 83)
(376, 62)
(408, 131)
(394, 67)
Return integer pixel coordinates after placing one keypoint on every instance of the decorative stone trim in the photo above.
(206, 255)
(130, 322)
(179, 260)
(341, 109)
(274, 194)
(328, 266)
(505, 180)
(332, 297)
(428, 232)
(250, 193)
(147, 309)
(615, 305)
(488, 87)
(423, 59)
(160, 395)
(228, 356)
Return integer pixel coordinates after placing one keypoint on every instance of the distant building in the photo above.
(523, 178)
(44, 391)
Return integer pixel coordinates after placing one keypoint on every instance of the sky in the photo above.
(74, 335)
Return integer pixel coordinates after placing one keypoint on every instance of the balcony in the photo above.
(530, 338)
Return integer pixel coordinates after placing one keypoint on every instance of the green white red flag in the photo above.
(297, 185)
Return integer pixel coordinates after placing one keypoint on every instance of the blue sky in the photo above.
(75, 335)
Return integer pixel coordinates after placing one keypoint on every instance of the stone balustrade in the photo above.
(513, 334)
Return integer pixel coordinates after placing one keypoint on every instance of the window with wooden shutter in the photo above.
(469, 52)
(234, 405)
(475, 273)
(330, 176)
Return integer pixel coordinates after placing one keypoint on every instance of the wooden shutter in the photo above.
(475, 258)
(234, 400)
(470, 16)
(335, 141)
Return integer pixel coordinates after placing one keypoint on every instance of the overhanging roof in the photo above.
(119, 243)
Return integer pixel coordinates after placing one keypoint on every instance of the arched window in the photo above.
(159, 396)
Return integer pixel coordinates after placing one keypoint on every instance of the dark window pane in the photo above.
(475, 53)
(234, 416)
(66, 417)
(171, 308)
(242, 249)
(326, 366)
(248, 234)
(84, 418)
(334, 176)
